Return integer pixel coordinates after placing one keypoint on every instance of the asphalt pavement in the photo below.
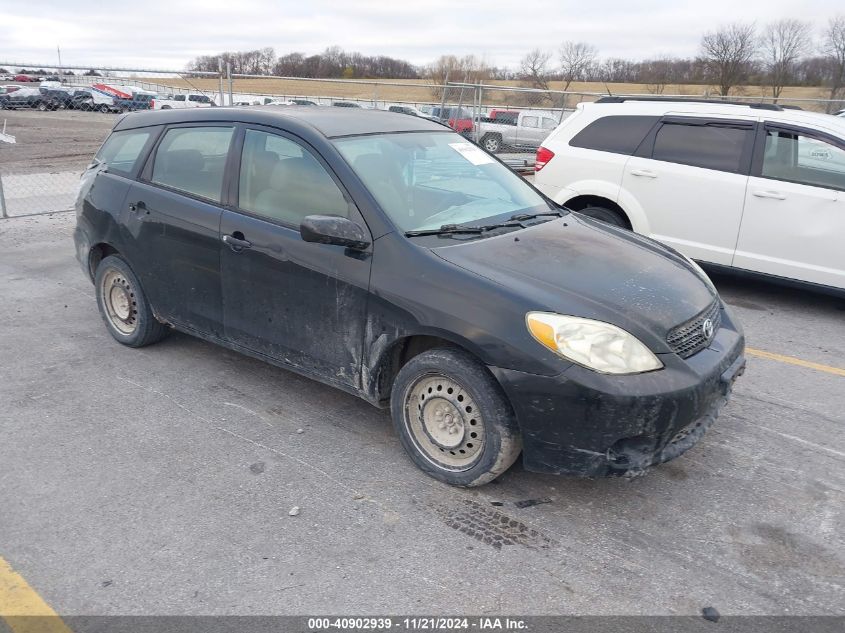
(160, 481)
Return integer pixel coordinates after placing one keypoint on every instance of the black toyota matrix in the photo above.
(389, 257)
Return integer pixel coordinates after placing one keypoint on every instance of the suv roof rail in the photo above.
(757, 106)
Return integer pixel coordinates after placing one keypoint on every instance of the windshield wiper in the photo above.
(446, 229)
(522, 217)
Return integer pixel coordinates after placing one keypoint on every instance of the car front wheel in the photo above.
(605, 215)
(453, 419)
(123, 305)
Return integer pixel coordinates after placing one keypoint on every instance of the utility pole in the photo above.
(59, 51)
(220, 77)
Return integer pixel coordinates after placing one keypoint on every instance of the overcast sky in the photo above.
(169, 33)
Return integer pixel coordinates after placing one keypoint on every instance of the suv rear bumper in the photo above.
(588, 424)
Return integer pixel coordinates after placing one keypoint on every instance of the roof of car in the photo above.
(714, 108)
(329, 121)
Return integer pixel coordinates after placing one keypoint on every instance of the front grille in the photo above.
(689, 338)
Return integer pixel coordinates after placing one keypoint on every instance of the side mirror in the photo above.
(333, 229)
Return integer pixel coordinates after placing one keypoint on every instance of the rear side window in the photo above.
(122, 150)
(617, 134)
(707, 146)
(530, 121)
(193, 160)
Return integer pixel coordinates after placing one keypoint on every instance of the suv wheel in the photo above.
(42, 106)
(605, 215)
(123, 305)
(492, 143)
(453, 419)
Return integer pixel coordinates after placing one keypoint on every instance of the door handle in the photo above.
(236, 242)
(765, 193)
(646, 173)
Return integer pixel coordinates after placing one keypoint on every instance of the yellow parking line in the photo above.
(22, 608)
(790, 360)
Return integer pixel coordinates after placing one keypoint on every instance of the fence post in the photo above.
(3, 213)
(229, 77)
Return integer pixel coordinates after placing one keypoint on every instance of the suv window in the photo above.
(193, 159)
(620, 134)
(281, 180)
(122, 150)
(803, 159)
(708, 146)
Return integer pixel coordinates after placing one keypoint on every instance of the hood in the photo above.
(585, 268)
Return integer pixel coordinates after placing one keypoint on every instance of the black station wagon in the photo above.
(389, 257)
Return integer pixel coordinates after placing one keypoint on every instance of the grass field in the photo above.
(417, 91)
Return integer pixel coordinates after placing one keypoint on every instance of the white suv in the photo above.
(752, 187)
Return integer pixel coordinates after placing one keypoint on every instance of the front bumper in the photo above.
(588, 424)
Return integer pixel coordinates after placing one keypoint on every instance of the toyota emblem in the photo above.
(707, 328)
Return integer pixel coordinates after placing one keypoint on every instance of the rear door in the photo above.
(298, 302)
(794, 220)
(529, 133)
(174, 214)
(689, 178)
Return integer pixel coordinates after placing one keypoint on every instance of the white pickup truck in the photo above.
(190, 100)
(525, 131)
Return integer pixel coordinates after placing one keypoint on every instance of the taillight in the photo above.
(544, 155)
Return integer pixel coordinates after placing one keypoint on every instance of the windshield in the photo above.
(424, 180)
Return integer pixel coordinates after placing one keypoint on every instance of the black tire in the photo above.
(104, 108)
(605, 215)
(42, 106)
(139, 327)
(488, 440)
(492, 143)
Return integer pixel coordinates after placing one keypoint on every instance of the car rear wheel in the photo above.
(42, 106)
(104, 108)
(605, 215)
(453, 419)
(123, 305)
(492, 143)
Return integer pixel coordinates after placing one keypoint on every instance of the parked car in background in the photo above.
(8, 89)
(749, 187)
(67, 98)
(346, 104)
(503, 116)
(180, 101)
(21, 78)
(491, 323)
(24, 98)
(404, 108)
(459, 119)
(303, 102)
(526, 131)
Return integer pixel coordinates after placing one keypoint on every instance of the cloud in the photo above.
(159, 33)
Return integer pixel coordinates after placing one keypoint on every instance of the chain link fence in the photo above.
(53, 124)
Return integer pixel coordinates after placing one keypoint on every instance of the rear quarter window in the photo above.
(122, 150)
(619, 134)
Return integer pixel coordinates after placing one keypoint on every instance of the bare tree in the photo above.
(656, 73)
(575, 59)
(833, 48)
(783, 43)
(534, 67)
(728, 53)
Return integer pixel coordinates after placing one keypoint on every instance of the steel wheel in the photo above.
(120, 302)
(444, 422)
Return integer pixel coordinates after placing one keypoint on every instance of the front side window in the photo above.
(708, 146)
(803, 159)
(193, 160)
(423, 180)
(121, 151)
(282, 181)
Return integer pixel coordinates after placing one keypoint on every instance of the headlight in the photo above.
(594, 344)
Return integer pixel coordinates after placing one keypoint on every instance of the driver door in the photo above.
(300, 303)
